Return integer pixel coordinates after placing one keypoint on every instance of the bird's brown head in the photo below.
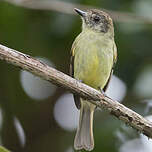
(96, 20)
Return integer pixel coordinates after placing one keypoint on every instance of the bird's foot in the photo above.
(80, 81)
(103, 92)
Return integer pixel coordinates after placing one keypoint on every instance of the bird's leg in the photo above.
(102, 91)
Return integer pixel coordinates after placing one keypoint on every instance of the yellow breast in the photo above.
(93, 60)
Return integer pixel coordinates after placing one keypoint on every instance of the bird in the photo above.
(93, 56)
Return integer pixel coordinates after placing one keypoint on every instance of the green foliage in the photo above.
(2, 149)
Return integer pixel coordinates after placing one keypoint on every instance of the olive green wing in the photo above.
(76, 97)
(71, 65)
(107, 84)
(114, 62)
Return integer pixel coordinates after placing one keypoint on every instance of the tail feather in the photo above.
(84, 136)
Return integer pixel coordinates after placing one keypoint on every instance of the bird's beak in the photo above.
(80, 12)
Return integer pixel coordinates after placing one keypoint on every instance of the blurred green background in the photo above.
(36, 116)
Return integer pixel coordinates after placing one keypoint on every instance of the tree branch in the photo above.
(42, 70)
(67, 8)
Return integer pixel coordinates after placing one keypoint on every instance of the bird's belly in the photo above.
(93, 68)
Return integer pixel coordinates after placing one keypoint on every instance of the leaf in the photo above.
(2, 149)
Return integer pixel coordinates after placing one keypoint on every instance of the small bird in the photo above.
(93, 56)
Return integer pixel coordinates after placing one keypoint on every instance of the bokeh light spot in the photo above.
(20, 131)
(141, 144)
(35, 87)
(143, 83)
(66, 113)
(116, 89)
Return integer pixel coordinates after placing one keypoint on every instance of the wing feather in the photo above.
(114, 62)
(76, 97)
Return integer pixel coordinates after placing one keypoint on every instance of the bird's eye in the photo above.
(96, 19)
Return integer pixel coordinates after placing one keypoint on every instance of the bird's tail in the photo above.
(84, 135)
